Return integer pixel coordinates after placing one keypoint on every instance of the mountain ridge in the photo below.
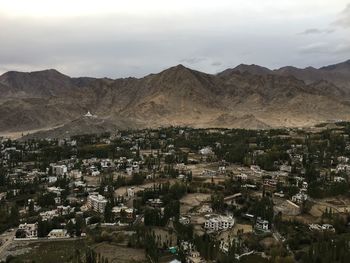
(248, 96)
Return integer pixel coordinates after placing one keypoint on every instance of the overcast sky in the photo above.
(115, 38)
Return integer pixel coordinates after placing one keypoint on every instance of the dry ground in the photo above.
(119, 254)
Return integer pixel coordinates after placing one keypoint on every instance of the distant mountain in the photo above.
(248, 96)
(338, 74)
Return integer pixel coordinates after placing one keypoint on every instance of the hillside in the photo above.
(247, 96)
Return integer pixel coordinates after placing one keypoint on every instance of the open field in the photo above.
(118, 254)
(52, 251)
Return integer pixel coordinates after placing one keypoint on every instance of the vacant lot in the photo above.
(53, 251)
(117, 254)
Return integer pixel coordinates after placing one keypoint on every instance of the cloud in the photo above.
(312, 31)
(192, 61)
(344, 18)
(137, 37)
(342, 48)
(216, 63)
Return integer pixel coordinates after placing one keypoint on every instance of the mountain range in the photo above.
(247, 96)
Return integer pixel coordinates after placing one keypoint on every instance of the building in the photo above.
(30, 230)
(219, 223)
(299, 198)
(59, 170)
(185, 220)
(131, 192)
(262, 225)
(97, 203)
(58, 233)
(128, 212)
(286, 168)
(205, 209)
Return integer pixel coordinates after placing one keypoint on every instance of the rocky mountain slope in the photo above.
(248, 96)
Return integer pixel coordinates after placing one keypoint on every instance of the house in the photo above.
(220, 222)
(59, 170)
(117, 211)
(299, 198)
(58, 233)
(339, 179)
(96, 203)
(185, 220)
(206, 151)
(205, 209)
(286, 168)
(242, 177)
(131, 192)
(30, 230)
(262, 225)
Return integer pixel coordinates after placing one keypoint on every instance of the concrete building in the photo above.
(97, 203)
(262, 225)
(59, 170)
(30, 230)
(219, 223)
(58, 233)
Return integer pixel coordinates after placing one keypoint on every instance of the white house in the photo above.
(261, 224)
(30, 230)
(58, 233)
(299, 198)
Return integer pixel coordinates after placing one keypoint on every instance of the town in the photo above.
(178, 194)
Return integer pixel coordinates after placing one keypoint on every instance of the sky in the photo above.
(112, 38)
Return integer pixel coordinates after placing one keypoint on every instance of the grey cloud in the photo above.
(192, 61)
(216, 63)
(127, 45)
(312, 31)
(342, 48)
(344, 18)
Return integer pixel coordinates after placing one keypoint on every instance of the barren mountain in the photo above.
(244, 97)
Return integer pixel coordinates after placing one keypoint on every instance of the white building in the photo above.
(299, 198)
(59, 170)
(219, 223)
(242, 177)
(206, 151)
(97, 203)
(131, 192)
(262, 225)
(185, 220)
(30, 230)
(205, 209)
(58, 233)
(286, 168)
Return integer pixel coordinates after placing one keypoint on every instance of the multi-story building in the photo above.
(97, 203)
(219, 223)
(30, 230)
(59, 169)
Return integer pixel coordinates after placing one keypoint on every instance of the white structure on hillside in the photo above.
(88, 114)
(219, 223)
(299, 198)
(262, 225)
(30, 230)
(97, 203)
(58, 233)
